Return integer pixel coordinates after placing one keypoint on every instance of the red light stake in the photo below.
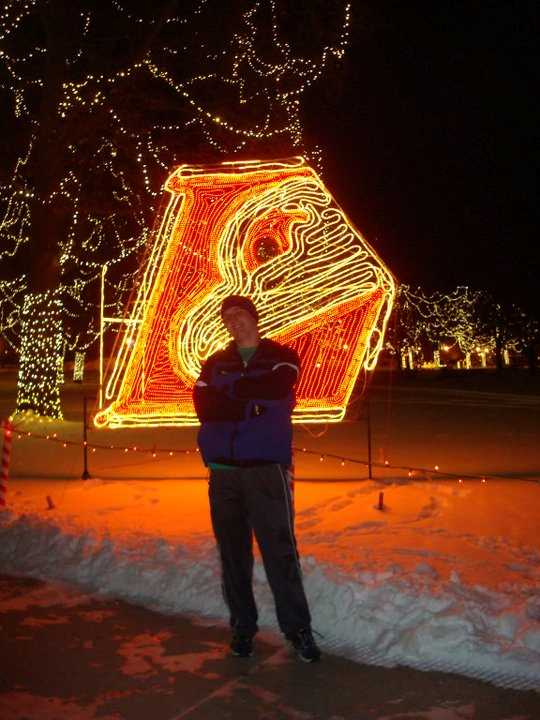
(6, 459)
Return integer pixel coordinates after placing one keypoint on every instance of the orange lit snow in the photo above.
(482, 531)
(445, 576)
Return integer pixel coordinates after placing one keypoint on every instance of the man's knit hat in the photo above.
(242, 302)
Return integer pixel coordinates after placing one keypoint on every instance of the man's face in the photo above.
(240, 324)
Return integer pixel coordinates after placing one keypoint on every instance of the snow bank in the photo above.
(385, 616)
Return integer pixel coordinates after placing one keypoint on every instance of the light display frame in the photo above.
(269, 230)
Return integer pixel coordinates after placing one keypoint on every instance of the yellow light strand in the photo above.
(325, 290)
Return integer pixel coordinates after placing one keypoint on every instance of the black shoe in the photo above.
(304, 645)
(241, 645)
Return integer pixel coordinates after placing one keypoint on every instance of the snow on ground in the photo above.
(446, 576)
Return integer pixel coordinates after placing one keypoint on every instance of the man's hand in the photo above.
(213, 405)
(269, 386)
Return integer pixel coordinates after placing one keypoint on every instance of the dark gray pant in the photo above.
(257, 500)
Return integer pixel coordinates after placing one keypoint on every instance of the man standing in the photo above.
(244, 398)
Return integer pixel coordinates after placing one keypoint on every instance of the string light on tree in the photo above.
(40, 321)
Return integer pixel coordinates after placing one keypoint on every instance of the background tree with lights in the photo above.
(102, 99)
(458, 324)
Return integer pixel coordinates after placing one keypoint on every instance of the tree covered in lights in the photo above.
(460, 323)
(450, 319)
(101, 100)
(512, 327)
(405, 331)
(528, 337)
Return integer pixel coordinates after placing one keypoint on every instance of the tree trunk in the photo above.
(498, 353)
(41, 347)
(38, 386)
(531, 357)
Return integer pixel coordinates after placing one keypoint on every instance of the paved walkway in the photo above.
(67, 656)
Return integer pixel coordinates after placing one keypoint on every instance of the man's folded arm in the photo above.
(212, 405)
(273, 385)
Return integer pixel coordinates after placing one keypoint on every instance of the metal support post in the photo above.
(101, 330)
(368, 427)
(85, 475)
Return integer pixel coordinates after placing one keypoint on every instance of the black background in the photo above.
(430, 140)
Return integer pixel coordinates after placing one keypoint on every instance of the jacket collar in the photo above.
(231, 350)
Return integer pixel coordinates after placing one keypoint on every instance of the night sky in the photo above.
(431, 140)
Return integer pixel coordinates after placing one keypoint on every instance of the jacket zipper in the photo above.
(233, 436)
(235, 431)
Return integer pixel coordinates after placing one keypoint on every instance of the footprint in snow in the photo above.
(340, 505)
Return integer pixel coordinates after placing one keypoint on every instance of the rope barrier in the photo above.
(21, 434)
(432, 472)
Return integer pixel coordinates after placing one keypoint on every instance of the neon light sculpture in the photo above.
(269, 230)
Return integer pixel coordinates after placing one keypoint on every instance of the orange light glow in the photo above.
(269, 230)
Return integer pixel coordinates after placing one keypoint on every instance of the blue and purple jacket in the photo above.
(245, 408)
